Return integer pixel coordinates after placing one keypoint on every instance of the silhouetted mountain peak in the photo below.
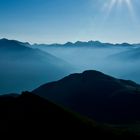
(93, 79)
(12, 45)
(4, 39)
(87, 75)
(94, 73)
(68, 44)
(79, 43)
(93, 92)
(7, 40)
(124, 44)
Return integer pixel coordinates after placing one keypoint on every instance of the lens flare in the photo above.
(128, 3)
(111, 5)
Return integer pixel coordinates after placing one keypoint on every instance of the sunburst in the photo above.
(111, 5)
(128, 3)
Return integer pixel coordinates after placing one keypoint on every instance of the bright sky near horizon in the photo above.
(51, 21)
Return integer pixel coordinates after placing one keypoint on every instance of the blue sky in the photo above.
(49, 21)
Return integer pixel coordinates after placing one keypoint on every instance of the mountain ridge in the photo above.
(95, 95)
(87, 44)
(90, 43)
(77, 43)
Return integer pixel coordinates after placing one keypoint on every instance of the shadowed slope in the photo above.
(30, 114)
(96, 95)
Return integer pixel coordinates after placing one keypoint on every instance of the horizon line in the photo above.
(73, 42)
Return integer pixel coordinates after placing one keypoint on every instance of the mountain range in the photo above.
(25, 66)
(86, 44)
(71, 44)
(89, 104)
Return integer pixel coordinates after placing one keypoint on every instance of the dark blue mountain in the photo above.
(12, 45)
(96, 95)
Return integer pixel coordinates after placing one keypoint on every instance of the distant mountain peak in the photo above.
(124, 44)
(4, 39)
(13, 45)
(68, 43)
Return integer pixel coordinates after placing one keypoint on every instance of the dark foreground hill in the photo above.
(33, 115)
(96, 95)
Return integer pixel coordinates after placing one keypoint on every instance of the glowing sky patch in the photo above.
(109, 6)
(127, 3)
(59, 21)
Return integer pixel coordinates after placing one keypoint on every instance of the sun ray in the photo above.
(129, 4)
(119, 3)
(112, 4)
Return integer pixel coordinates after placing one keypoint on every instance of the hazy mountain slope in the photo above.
(98, 56)
(96, 95)
(24, 68)
(131, 55)
(128, 62)
(29, 114)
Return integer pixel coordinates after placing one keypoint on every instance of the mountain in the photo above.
(76, 44)
(24, 68)
(91, 43)
(30, 115)
(5, 43)
(125, 45)
(96, 95)
(11, 45)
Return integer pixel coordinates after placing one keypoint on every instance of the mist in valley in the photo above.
(109, 60)
(25, 67)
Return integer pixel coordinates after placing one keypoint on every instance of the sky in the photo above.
(59, 21)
